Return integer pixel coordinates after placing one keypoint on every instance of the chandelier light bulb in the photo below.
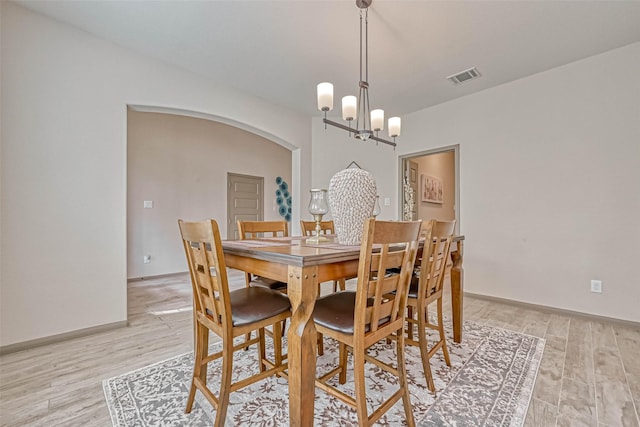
(349, 108)
(394, 126)
(377, 120)
(325, 96)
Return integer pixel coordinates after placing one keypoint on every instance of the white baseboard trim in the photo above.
(26, 345)
(159, 276)
(555, 310)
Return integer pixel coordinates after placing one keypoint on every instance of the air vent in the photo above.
(464, 76)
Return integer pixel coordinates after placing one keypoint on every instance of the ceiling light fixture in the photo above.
(367, 121)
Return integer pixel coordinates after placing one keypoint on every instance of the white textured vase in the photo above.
(352, 195)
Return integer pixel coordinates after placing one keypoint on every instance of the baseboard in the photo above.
(555, 310)
(159, 276)
(26, 345)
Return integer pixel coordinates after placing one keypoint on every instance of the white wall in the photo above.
(181, 164)
(549, 182)
(64, 112)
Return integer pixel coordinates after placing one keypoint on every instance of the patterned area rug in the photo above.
(489, 383)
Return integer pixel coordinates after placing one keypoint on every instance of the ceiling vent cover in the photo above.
(464, 76)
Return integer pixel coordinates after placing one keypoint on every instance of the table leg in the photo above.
(457, 290)
(302, 344)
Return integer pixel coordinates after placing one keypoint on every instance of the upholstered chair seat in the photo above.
(335, 312)
(251, 305)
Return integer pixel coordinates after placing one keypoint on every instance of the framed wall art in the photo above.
(432, 189)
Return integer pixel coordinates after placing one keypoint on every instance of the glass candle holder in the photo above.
(318, 207)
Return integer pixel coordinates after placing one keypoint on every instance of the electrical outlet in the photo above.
(596, 286)
(147, 259)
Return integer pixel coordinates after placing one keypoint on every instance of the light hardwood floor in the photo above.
(589, 375)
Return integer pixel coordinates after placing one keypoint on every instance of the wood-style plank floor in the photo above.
(589, 375)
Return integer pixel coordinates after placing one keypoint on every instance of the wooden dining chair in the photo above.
(227, 314)
(257, 230)
(326, 227)
(426, 288)
(309, 227)
(374, 311)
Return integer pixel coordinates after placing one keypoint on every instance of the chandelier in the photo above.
(367, 121)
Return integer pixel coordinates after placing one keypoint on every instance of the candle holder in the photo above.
(318, 207)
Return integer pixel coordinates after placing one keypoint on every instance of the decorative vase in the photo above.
(352, 195)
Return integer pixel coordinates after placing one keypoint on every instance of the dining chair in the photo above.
(228, 314)
(358, 319)
(426, 288)
(326, 227)
(257, 230)
(261, 229)
(309, 227)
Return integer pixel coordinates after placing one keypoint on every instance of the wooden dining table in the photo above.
(303, 266)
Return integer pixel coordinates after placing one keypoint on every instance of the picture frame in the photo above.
(432, 189)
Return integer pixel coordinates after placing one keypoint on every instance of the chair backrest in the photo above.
(309, 227)
(381, 298)
(435, 255)
(425, 229)
(257, 229)
(202, 246)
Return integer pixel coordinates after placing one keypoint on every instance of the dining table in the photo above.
(303, 265)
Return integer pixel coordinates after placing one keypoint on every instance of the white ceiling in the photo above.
(280, 50)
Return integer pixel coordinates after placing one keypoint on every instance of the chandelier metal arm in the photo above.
(347, 128)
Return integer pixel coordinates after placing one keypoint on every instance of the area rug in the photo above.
(490, 382)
